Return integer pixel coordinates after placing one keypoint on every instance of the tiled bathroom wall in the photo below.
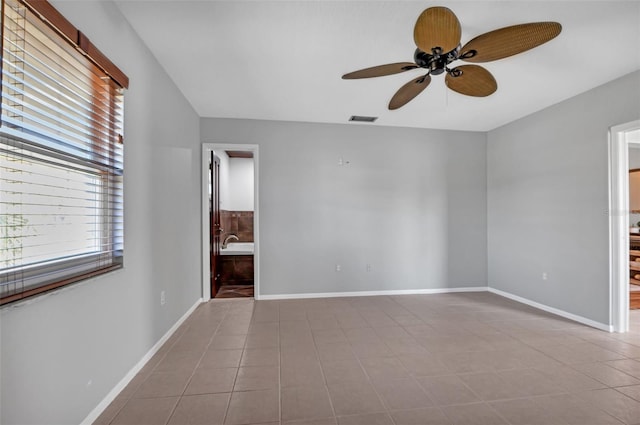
(239, 223)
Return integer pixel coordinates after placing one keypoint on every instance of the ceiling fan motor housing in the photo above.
(435, 63)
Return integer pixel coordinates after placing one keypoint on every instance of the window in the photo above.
(61, 154)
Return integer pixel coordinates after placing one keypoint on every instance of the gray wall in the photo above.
(411, 203)
(547, 187)
(98, 330)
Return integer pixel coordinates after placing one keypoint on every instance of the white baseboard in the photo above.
(373, 293)
(543, 307)
(97, 411)
(558, 312)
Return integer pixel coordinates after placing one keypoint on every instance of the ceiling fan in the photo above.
(437, 34)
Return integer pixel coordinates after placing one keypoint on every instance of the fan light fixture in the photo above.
(437, 35)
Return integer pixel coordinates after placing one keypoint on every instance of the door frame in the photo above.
(214, 220)
(619, 225)
(207, 148)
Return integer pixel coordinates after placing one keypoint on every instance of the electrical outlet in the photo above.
(163, 299)
(338, 267)
(368, 267)
(545, 276)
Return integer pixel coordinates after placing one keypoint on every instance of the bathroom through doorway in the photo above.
(230, 239)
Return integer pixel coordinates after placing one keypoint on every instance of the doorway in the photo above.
(621, 140)
(230, 243)
(633, 140)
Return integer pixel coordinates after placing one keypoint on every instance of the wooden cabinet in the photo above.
(236, 270)
(634, 258)
(634, 271)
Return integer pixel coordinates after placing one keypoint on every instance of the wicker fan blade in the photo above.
(437, 27)
(381, 70)
(472, 80)
(409, 91)
(509, 41)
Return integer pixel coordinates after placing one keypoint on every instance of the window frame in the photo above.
(48, 275)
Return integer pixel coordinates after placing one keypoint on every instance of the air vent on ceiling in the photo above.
(359, 118)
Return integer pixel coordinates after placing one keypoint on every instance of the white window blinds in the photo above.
(61, 159)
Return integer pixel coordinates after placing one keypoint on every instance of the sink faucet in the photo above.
(226, 240)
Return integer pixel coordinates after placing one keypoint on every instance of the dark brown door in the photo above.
(216, 230)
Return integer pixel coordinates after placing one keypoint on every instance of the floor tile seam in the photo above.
(491, 408)
(461, 381)
(410, 314)
(599, 380)
(601, 344)
(115, 415)
(132, 395)
(623, 386)
(537, 349)
(279, 371)
(579, 395)
(562, 390)
(529, 397)
(324, 378)
(582, 375)
(424, 391)
(625, 395)
(166, 420)
(384, 341)
(164, 355)
(468, 387)
(213, 334)
(160, 361)
(226, 410)
(375, 390)
(193, 373)
(175, 406)
(337, 418)
(616, 416)
(390, 412)
(621, 370)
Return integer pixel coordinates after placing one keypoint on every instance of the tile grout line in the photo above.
(411, 375)
(279, 369)
(324, 378)
(395, 356)
(226, 412)
(168, 349)
(197, 364)
(366, 374)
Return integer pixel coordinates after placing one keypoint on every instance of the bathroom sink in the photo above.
(238, 248)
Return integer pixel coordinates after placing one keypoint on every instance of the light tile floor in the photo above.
(457, 359)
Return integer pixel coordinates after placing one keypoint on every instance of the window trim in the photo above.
(79, 265)
(76, 38)
(82, 263)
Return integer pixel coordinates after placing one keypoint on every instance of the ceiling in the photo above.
(282, 60)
